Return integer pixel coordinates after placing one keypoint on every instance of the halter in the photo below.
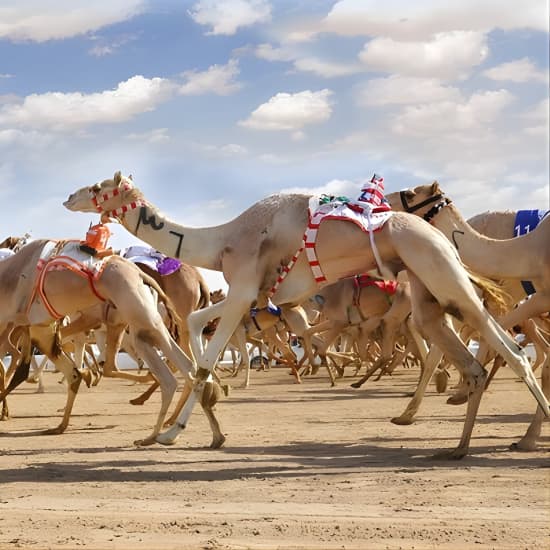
(99, 198)
(430, 214)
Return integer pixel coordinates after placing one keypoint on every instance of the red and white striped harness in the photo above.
(374, 221)
(98, 200)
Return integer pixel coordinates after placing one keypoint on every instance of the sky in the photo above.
(212, 105)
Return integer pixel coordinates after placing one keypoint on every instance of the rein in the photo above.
(433, 211)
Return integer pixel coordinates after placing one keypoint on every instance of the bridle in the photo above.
(435, 209)
(98, 198)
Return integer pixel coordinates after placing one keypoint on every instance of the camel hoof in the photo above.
(457, 399)
(137, 401)
(53, 431)
(217, 442)
(145, 442)
(163, 439)
(524, 447)
(402, 420)
(356, 385)
(226, 388)
(455, 454)
(32, 380)
(87, 377)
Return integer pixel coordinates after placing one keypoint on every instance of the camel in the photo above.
(513, 259)
(362, 301)
(34, 297)
(263, 323)
(259, 253)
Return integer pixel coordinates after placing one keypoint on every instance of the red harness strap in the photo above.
(362, 281)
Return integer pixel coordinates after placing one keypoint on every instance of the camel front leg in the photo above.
(529, 441)
(234, 307)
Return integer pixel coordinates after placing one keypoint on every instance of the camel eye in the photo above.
(409, 194)
(95, 188)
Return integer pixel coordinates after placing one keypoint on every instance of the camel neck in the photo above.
(489, 257)
(200, 247)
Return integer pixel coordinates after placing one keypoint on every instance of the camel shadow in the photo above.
(300, 460)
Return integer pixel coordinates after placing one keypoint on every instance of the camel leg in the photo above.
(498, 362)
(430, 318)
(434, 357)
(231, 313)
(529, 441)
(112, 346)
(140, 399)
(5, 414)
(167, 381)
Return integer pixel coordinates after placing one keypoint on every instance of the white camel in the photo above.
(254, 249)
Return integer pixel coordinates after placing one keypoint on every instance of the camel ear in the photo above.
(117, 178)
(130, 177)
(435, 188)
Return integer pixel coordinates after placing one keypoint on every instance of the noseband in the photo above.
(98, 198)
(444, 201)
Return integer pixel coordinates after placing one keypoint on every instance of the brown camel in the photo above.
(513, 259)
(253, 249)
(33, 296)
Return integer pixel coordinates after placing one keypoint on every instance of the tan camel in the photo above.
(512, 260)
(259, 324)
(65, 292)
(360, 301)
(253, 249)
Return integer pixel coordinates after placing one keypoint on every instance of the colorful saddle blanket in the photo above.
(526, 221)
(342, 209)
(163, 265)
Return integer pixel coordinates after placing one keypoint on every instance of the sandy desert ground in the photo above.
(304, 467)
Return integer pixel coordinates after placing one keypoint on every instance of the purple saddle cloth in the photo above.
(167, 266)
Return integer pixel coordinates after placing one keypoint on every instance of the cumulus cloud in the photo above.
(475, 114)
(404, 90)
(217, 79)
(335, 187)
(406, 20)
(327, 69)
(447, 55)
(286, 111)
(68, 111)
(520, 70)
(39, 21)
(227, 16)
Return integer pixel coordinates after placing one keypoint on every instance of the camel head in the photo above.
(107, 198)
(412, 200)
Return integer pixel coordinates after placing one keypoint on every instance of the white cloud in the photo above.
(39, 21)
(157, 135)
(448, 55)
(217, 79)
(475, 114)
(269, 53)
(406, 20)
(227, 16)
(326, 69)
(68, 111)
(520, 70)
(334, 187)
(404, 90)
(286, 111)
(102, 48)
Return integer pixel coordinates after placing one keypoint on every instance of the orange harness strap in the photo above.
(61, 263)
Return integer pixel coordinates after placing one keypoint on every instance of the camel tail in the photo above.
(204, 300)
(494, 296)
(174, 324)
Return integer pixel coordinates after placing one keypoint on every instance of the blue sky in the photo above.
(214, 104)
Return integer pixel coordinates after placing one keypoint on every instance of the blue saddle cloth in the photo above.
(526, 221)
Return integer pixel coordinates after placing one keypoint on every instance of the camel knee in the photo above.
(211, 394)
